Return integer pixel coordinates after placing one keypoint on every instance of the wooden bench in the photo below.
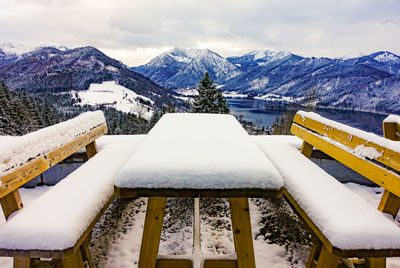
(342, 224)
(57, 225)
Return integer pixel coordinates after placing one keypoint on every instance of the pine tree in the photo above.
(210, 99)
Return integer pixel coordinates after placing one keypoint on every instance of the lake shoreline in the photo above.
(265, 113)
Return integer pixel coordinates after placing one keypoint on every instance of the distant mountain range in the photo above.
(55, 70)
(368, 83)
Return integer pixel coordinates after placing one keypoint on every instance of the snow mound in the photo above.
(57, 219)
(330, 205)
(198, 151)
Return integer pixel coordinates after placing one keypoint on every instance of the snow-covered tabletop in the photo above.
(198, 155)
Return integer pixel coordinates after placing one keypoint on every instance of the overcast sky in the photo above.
(134, 31)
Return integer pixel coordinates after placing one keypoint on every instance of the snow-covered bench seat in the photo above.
(58, 224)
(343, 225)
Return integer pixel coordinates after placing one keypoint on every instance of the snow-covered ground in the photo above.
(113, 95)
(116, 237)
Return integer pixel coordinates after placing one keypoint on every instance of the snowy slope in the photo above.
(51, 70)
(111, 94)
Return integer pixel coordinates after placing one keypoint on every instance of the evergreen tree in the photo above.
(210, 99)
(21, 114)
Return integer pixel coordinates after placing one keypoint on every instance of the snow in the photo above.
(111, 94)
(291, 140)
(259, 55)
(11, 49)
(233, 94)
(111, 68)
(330, 205)
(392, 119)
(268, 55)
(116, 238)
(181, 59)
(274, 97)
(259, 83)
(386, 57)
(199, 151)
(187, 92)
(105, 140)
(369, 137)
(362, 151)
(58, 218)
(16, 151)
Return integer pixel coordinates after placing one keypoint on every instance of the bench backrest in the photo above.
(25, 157)
(374, 157)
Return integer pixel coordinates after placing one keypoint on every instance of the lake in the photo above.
(257, 111)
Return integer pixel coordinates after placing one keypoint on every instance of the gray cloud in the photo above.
(134, 31)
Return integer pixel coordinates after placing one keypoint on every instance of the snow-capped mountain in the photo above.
(369, 82)
(258, 57)
(10, 53)
(51, 70)
(183, 68)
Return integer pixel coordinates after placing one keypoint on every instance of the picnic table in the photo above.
(198, 155)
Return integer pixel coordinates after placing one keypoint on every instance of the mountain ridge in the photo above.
(50, 69)
(368, 83)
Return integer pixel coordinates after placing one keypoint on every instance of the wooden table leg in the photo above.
(327, 259)
(152, 232)
(11, 202)
(22, 263)
(375, 262)
(73, 261)
(241, 228)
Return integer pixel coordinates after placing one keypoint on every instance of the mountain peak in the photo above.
(267, 54)
(385, 56)
(182, 67)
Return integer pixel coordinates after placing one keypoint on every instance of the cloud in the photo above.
(134, 31)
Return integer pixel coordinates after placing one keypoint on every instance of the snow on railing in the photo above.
(18, 150)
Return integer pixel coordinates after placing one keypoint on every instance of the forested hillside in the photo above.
(21, 114)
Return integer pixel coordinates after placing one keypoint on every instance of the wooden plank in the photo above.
(380, 175)
(327, 260)
(389, 203)
(241, 228)
(152, 231)
(174, 263)
(84, 248)
(73, 261)
(306, 149)
(22, 263)
(215, 193)
(220, 264)
(11, 202)
(91, 149)
(389, 157)
(389, 130)
(196, 233)
(375, 262)
(35, 167)
(314, 254)
(22, 175)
